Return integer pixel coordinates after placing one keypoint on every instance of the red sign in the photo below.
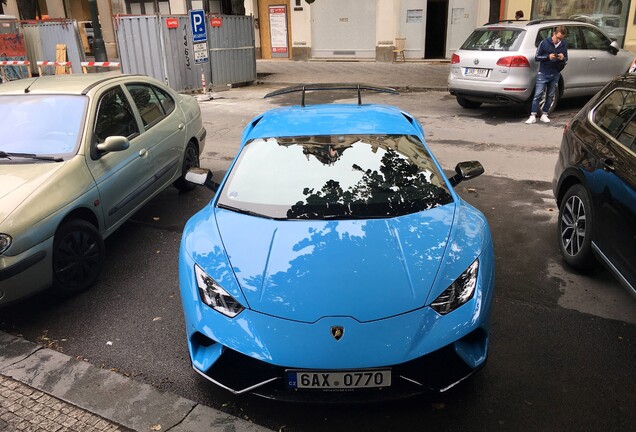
(172, 22)
(216, 22)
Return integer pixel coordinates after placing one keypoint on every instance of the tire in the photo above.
(465, 103)
(575, 228)
(190, 160)
(78, 257)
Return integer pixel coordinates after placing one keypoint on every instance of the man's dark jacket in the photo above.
(545, 48)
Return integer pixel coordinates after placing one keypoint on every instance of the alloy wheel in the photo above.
(573, 225)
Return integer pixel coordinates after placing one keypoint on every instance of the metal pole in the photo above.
(99, 49)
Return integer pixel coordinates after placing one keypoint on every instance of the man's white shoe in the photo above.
(532, 119)
(544, 118)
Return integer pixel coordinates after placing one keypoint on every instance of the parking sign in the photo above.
(197, 22)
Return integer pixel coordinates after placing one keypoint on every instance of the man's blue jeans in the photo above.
(543, 81)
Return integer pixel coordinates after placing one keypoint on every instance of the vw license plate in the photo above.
(477, 72)
(374, 378)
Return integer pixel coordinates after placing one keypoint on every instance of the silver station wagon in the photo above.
(496, 63)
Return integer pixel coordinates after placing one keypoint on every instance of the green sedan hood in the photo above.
(19, 181)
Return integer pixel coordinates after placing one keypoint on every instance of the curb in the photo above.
(136, 406)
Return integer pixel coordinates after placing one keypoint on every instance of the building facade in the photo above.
(357, 29)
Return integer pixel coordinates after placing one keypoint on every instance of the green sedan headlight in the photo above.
(5, 242)
(216, 297)
(459, 292)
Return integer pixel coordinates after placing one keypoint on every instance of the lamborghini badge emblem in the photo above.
(337, 332)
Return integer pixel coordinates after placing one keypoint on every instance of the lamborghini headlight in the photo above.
(216, 297)
(5, 242)
(459, 292)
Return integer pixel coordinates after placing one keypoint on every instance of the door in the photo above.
(435, 39)
(122, 177)
(602, 64)
(343, 29)
(614, 181)
(164, 132)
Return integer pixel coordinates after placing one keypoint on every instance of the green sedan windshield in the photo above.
(43, 125)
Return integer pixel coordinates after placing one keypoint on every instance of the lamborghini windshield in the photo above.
(334, 177)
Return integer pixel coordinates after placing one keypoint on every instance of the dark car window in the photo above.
(494, 39)
(147, 102)
(594, 39)
(334, 177)
(572, 37)
(166, 100)
(615, 115)
(115, 116)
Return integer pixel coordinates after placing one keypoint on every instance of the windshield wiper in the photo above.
(243, 211)
(30, 156)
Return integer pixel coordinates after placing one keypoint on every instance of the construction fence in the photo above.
(160, 46)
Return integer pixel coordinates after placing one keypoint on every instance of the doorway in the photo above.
(435, 38)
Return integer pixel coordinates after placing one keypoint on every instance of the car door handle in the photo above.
(143, 153)
(608, 164)
(181, 126)
(592, 58)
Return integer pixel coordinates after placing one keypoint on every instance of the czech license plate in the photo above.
(372, 378)
(476, 72)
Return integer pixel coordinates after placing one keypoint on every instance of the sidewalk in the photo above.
(44, 390)
(414, 76)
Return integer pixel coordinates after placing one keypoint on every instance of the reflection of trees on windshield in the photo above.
(397, 188)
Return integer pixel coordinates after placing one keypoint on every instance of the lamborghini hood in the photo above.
(364, 269)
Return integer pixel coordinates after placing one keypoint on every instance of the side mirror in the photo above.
(114, 144)
(202, 177)
(614, 48)
(466, 171)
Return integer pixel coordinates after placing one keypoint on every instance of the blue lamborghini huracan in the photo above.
(336, 261)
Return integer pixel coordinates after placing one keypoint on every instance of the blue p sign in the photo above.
(197, 22)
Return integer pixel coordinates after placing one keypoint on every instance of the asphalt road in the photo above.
(562, 344)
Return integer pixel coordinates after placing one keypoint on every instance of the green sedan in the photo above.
(80, 154)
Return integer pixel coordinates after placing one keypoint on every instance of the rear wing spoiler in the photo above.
(333, 87)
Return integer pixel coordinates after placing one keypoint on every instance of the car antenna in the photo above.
(26, 90)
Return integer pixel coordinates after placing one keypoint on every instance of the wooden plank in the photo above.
(60, 56)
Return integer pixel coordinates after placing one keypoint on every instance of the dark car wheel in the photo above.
(190, 160)
(465, 103)
(78, 257)
(575, 228)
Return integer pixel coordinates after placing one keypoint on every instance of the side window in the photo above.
(115, 116)
(542, 35)
(166, 100)
(147, 103)
(615, 115)
(594, 39)
(573, 38)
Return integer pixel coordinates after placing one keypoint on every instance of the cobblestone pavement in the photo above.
(23, 408)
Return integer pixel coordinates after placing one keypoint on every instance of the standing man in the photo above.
(552, 55)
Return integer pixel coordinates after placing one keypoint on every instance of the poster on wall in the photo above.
(278, 30)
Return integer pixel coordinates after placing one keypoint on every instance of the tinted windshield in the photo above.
(494, 39)
(46, 125)
(325, 177)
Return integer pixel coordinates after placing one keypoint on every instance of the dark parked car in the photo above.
(595, 183)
